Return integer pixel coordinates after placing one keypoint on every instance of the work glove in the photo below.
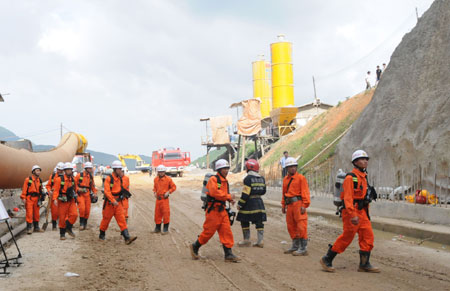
(166, 195)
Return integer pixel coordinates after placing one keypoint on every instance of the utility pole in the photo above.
(60, 130)
(314, 85)
(417, 14)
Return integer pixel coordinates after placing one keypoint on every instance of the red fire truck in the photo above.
(173, 159)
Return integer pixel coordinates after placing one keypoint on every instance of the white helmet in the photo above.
(116, 165)
(60, 166)
(88, 165)
(161, 168)
(35, 167)
(222, 163)
(290, 162)
(359, 154)
(68, 166)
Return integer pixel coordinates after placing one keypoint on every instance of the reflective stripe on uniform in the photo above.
(252, 211)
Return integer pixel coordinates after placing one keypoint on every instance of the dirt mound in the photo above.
(406, 125)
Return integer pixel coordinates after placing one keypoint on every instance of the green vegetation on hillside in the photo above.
(319, 133)
(214, 154)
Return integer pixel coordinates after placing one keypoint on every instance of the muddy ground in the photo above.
(156, 262)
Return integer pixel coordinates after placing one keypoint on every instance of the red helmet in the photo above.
(252, 165)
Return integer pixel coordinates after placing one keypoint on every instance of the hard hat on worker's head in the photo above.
(88, 165)
(161, 168)
(290, 162)
(60, 166)
(359, 154)
(222, 163)
(35, 167)
(116, 165)
(68, 166)
(252, 165)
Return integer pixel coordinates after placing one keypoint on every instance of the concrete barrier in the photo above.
(389, 209)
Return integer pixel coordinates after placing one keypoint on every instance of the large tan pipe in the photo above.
(16, 164)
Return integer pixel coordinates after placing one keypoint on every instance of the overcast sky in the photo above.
(135, 76)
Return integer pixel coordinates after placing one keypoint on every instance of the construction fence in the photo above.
(421, 184)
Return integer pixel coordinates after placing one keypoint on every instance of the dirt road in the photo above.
(156, 262)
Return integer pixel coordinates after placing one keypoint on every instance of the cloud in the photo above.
(135, 76)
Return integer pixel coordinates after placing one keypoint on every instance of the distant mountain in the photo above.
(100, 158)
(7, 135)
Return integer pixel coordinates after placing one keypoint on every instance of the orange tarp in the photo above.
(219, 128)
(250, 122)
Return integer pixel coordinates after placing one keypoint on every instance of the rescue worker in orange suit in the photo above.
(125, 202)
(65, 192)
(50, 187)
(163, 186)
(355, 216)
(85, 185)
(32, 196)
(114, 194)
(295, 200)
(251, 206)
(217, 218)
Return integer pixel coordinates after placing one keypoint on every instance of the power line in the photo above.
(321, 78)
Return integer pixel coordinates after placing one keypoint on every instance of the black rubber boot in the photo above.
(157, 228)
(54, 226)
(82, 226)
(165, 229)
(229, 256)
(194, 250)
(294, 247)
(364, 264)
(69, 228)
(327, 260)
(29, 228)
(36, 227)
(128, 239)
(102, 235)
(62, 234)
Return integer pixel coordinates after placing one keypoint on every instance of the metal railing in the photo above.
(397, 185)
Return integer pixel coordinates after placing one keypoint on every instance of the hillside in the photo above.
(319, 133)
(405, 129)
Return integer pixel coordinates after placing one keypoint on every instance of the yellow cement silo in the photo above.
(261, 85)
(282, 73)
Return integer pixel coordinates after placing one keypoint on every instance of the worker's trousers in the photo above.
(110, 211)
(297, 223)
(217, 221)
(363, 229)
(67, 211)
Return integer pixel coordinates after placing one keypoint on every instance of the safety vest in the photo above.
(30, 181)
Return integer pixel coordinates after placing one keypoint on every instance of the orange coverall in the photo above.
(162, 208)
(66, 210)
(50, 185)
(109, 210)
(364, 227)
(297, 223)
(85, 185)
(124, 202)
(217, 218)
(31, 194)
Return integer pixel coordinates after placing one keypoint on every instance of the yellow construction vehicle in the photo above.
(140, 163)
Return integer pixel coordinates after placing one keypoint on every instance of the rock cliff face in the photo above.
(407, 123)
